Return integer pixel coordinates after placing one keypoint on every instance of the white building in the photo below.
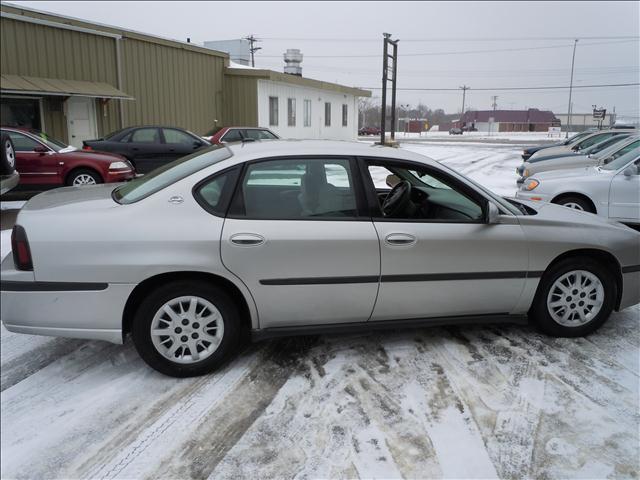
(292, 106)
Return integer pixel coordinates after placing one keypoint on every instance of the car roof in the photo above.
(243, 151)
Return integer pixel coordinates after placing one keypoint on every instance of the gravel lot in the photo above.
(459, 402)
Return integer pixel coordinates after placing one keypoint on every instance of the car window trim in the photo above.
(374, 205)
(362, 215)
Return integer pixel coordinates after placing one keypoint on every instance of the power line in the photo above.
(460, 52)
(485, 89)
(452, 39)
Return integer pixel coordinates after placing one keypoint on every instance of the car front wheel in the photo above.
(576, 203)
(186, 329)
(83, 177)
(575, 297)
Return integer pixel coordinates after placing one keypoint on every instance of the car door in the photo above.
(297, 236)
(179, 143)
(624, 194)
(442, 259)
(146, 149)
(36, 163)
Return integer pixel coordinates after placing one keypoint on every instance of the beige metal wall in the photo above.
(240, 101)
(171, 86)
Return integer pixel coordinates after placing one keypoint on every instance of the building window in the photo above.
(344, 114)
(291, 112)
(327, 114)
(21, 112)
(307, 113)
(273, 111)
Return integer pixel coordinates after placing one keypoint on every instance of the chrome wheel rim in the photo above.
(575, 298)
(11, 155)
(187, 329)
(84, 179)
(573, 205)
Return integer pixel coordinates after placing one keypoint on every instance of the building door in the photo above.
(81, 120)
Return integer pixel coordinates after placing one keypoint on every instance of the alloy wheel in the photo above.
(187, 329)
(575, 298)
(573, 205)
(84, 179)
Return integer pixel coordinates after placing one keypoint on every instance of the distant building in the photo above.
(531, 120)
(584, 121)
(238, 50)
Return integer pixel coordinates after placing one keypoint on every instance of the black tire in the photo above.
(80, 172)
(584, 204)
(7, 156)
(141, 328)
(539, 313)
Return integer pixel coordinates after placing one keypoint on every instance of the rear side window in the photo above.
(259, 134)
(214, 193)
(145, 135)
(296, 189)
(232, 135)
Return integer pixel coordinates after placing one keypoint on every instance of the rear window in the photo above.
(168, 174)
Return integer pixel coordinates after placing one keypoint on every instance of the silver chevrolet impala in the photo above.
(303, 237)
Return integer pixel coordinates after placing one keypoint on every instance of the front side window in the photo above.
(145, 135)
(592, 141)
(172, 135)
(273, 111)
(233, 135)
(327, 114)
(22, 143)
(425, 194)
(296, 189)
(255, 134)
(291, 112)
(344, 115)
(307, 113)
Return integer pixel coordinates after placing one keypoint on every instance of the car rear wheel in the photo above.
(7, 156)
(577, 203)
(186, 329)
(575, 297)
(83, 177)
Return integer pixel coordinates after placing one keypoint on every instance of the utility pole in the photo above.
(385, 78)
(464, 89)
(573, 59)
(494, 104)
(253, 49)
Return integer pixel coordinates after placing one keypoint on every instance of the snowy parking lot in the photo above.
(456, 402)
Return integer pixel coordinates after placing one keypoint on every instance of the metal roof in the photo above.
(57, 87)
(296, 80)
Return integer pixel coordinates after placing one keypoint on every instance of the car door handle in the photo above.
(247, 239)
(400, 239)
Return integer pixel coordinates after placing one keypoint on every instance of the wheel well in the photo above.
(605, 258)
(575, 195)
(75, 169)
(146, 286)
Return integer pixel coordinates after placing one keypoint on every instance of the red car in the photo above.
(238, 134)
(366, 131)
(43, 162)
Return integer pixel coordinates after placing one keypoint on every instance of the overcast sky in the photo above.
(325, 31)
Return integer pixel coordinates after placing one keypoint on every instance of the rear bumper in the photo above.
(92, 311)
(630, 287)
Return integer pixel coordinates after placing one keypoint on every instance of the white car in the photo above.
(611, 190)
(581, 144)
(600, 154)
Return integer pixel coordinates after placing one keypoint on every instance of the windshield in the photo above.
(53, 144)
(620, 162)
(168, 174)
(598, 147)
(578, 137)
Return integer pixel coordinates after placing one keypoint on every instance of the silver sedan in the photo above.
(303, 237)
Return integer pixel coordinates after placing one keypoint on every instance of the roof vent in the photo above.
(292, 61)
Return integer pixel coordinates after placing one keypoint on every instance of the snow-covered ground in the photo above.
(457, 402)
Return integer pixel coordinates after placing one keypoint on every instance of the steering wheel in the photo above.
(397, 199)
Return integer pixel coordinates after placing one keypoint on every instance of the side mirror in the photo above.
(493, 214)
(197, 144)
(630, 171)
(40, 149)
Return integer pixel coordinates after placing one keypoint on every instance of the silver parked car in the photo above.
(581, 143)
(599, 154)
(611, 190)
(293, 237)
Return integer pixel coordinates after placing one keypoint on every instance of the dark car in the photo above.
(365, 131)
(221, 135)
(44, 162)
(148, 147)
(455, 131)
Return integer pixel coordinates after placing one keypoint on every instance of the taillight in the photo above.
(87, 148)
(20, 247)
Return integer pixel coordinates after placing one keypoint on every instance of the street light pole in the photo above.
(573, 59)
